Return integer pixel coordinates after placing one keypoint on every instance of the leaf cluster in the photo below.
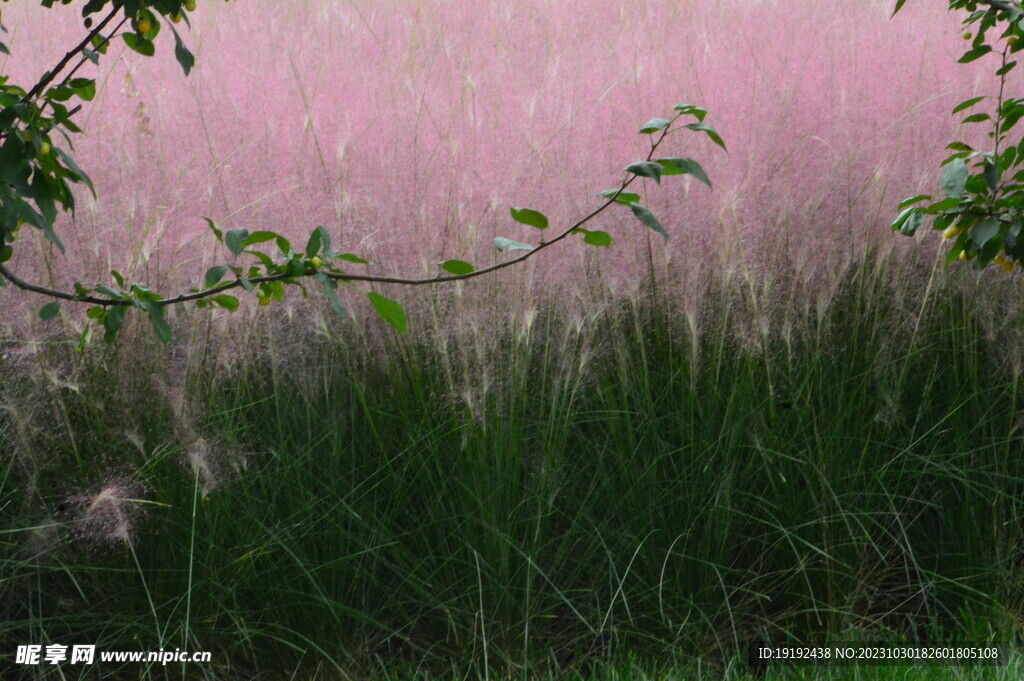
(982, 208)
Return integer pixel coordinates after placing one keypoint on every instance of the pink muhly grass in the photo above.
(409, 129)
(110, 514)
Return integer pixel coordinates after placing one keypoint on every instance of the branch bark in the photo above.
(49, 76)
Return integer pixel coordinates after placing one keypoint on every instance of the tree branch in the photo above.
(1000, 5)
(109, 302)
(49, 76)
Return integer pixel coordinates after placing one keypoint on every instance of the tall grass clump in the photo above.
(571, 487)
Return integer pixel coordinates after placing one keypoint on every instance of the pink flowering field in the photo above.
(409, 129)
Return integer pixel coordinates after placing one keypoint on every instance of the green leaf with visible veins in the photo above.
(647, 217)
(954, 178)
(389, 310)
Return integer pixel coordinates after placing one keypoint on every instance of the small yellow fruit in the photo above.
(144, 26)
(176, 18)
(190, 5)
(44, 149)
(1005, 263)
(966, 35)
(963, 255)
(316, 261)
(1013, 40)
(951, 232)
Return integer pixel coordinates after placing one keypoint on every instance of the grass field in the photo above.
(633, 463)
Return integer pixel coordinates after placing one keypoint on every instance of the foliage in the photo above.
(983, 205)
(36, 177)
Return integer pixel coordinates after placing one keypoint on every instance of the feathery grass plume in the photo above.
(109, 515)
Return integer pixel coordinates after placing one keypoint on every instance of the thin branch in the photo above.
(62, 295)
(83, 60)
(1000, 5)
(49, 76)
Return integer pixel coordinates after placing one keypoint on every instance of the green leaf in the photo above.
(709, 131)
(595, 237)
(991, 174)
(912, 200)
(954, 178)
(49, 311)
(389, 311)
(976, 118)
(139, 44)
(681, 166)
(646, 169)
(944, 204)
(181, 53)
(647, 217)
(117, 277)
(79, 174)
(284, 246)
(901, 219)
(689, 109)
(1012, 233)
(530, 217)
(457, 266)
(966, 104)
(227, 302)
(264, 259)
(160, 327)
(329, 290)
(959, 146)
(625, 198)
(911, 224)
(25, 212)
(653, 126)
(215, 274)
(318, 240)
(899, 6)
(984, 231)
(276, 290)
(5, 253)
(235, 240)
(110, 293)
(83, 87)
(503, 244)
(976, 53)
(352, 257)
(112, 320)
(259, 237)
(213, 228)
